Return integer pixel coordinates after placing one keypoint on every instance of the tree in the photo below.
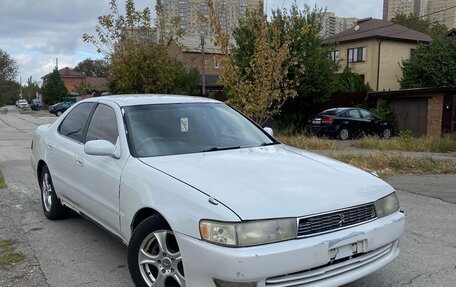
(9, 92)
(54, 89)
(255, 82)
(312, 72)
(8, 67)
(277, 67)
(30, 90)
(433, 65)
(348, 82)
(93, 68)
(420, 25)
(9, 89)
(138, 64)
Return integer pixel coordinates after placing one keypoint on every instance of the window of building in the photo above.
(335, 56)
(356, 55)
(412, 52)
(216, 63)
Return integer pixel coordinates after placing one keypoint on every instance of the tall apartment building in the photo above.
(421, 8)
(332, 25)
(447, 17)
(188, 15)
(393, 7)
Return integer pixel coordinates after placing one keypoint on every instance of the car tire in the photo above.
(58, 113)
(52, 207)
(343, 134)
(154, 258)
(387, 133)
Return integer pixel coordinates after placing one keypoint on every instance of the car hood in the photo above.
(273, 181)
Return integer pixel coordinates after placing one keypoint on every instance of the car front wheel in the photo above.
(59, 113)
(154, 257)
(52, 207)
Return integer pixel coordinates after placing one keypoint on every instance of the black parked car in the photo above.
(345, 123)
(36, 105)
(59, 108)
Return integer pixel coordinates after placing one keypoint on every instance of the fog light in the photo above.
(222, 283)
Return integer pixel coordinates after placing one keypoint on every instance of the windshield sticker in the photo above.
(184, 125)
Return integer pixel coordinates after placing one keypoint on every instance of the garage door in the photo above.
(411, 114)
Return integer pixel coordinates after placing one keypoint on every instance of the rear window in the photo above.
(330, 112)
(74, 123)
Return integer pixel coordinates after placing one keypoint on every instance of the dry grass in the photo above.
(388, 165)
(423, 144)
(26, 112)
(307, 142)
(8, 254)
(2, 181)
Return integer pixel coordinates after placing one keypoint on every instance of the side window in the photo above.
(354, 114)
(74, 123)
(103, 125)
(367, 115)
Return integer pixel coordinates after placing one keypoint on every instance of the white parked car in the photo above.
(23, 104)
(204, 197)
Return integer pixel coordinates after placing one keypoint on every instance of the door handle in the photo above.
(49, 146)
(79, 162)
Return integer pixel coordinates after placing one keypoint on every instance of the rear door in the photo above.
(62, 149)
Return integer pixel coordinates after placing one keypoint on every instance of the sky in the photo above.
(36, 32)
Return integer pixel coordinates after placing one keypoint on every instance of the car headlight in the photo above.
(249, 233)
(387, 205)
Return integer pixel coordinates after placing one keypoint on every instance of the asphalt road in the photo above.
(75, 252)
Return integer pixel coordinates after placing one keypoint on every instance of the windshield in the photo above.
(169, 129)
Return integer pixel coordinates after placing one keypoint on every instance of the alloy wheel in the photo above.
(160, 260)
(386, 133)
(343, 134)
(46, 189)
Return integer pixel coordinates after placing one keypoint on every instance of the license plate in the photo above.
(347, 250)
(316, 121)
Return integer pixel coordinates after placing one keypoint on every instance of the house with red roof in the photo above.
(74, 79)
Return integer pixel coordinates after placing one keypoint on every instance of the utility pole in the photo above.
(203, 65)
(20, 87)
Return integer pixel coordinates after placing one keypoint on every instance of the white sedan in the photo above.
(202, 196)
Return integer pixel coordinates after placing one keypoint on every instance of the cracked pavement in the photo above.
(74, 252)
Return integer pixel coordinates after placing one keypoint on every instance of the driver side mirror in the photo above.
(101, 148)
(269, 131)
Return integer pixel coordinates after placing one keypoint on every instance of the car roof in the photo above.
(151, 99)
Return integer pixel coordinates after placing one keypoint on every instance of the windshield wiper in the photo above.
(215, 148)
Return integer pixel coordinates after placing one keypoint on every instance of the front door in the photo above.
(101, 174)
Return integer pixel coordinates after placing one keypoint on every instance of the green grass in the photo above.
(307, 142)
(405, 143)
(8, 254)
(2, 181)
(389, 165)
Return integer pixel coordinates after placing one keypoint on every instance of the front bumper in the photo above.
(300, 262)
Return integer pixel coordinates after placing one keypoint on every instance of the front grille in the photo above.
(324, 223)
